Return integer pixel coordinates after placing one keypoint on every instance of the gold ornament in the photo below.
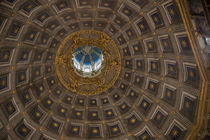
(88, 85)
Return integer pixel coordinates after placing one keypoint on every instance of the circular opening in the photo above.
(87, 60)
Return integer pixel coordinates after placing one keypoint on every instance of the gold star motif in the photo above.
(49, 102)
(154, 66)
(118, 21)
(29, 7)
(44, 41)
(22, 77)
(24, 130)
(6, 56)
(115, 96)
(158, 117)
(150, 45)
(16, 30)
(31, 36)
(106, 4)
(171, 68)
(187, 104)
(83, 2)
(115, 129)
(156, 19)
(184, 43)
(85, 15)
(137, 79)
(175, 133)
(126, 11)
(191, 74)
(144, 137)
(105, 100)
(123, 106)
(27, 96)
(52, 26)
(133, 120)
(41, 88)
(144, 104)
(171, 11)
(109, 113)
(102, 15)
(68, 17)
(38, 114)
(43, 17)
(61, 5)
(62, 110)
(58, 91)
(132, 93)
(151, 86)
(165, 44)
(141, 26)
(129, 33)
(94, 114)
(10, 108)
(55, 124)
(75, 129)
(122, 86)
(78, 113)
(37, 73)
(81, 101)
(52, 81)
(95, 131)
(168, 94)
(25, 56)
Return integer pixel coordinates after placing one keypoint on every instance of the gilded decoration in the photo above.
(88, 85)
(203, 95)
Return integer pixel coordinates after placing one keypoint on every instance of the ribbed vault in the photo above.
(155, 96)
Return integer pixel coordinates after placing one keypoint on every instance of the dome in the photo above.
(87, 59)
(104, 70)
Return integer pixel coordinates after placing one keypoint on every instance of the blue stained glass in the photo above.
(77, 49)
(97, 50)
(95, 57)
(87, 60)
(79, 57)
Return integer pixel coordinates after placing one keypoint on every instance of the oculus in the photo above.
(88, 62)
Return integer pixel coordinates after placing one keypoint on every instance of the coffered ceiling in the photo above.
(157, 94)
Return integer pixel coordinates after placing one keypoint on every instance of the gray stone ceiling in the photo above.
(156, 95)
